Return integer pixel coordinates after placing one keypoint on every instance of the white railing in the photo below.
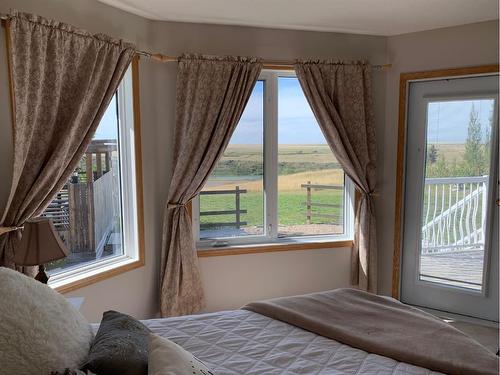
(454, 213)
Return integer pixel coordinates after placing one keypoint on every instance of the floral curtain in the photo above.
(212, 93)
(340, 95)
(62, 80)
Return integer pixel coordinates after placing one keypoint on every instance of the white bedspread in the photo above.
(243, 342)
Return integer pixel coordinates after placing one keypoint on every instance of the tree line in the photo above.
(475, 160)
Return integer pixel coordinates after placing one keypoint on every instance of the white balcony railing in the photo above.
(454, 214)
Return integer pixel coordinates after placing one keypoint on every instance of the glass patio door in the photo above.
(450, 239)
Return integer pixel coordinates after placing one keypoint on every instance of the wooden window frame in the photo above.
(404, 81)
(272, 248)
(140, 260)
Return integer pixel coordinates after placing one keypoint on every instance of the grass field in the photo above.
(291, 207)
(318, 154)
(288, 183)
(450, 151)
(241, 160)
(242, 166)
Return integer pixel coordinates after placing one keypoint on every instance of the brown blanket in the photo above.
(383, 326)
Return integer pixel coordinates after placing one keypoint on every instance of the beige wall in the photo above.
(468, 45)
(229, 281)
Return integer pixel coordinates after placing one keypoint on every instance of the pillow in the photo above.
(40, 331)
(168, 358)
(120, 346)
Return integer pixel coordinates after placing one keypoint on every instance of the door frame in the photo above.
(404, 82)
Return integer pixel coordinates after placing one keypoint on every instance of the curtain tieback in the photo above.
(4, 230)
(373, 193)
(171, 205)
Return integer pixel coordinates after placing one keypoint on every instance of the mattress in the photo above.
(244, 342)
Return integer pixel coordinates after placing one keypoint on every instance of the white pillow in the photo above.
(40, 331)
(168, 358)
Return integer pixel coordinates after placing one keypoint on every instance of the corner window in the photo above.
(96, 213)
(278, 180)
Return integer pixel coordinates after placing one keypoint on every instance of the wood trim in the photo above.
(404, 80)
(86, 281)
(139, 197)
(455, 72)
(271, 248)
(138, 159)
(286, 67)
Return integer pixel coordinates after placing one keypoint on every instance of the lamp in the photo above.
(40, 244)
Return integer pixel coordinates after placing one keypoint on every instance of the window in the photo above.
(97, 212)
(278, 180)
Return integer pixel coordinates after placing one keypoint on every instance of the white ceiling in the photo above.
(376, 17)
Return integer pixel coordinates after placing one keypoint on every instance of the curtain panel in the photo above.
(62, 80)
(212, 93)
(340, 95)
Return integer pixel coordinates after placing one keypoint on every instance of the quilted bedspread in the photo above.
(244, 342)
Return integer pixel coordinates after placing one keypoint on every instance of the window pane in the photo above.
(87, 211)
(454, 209)
(310, 180)
(232, 201)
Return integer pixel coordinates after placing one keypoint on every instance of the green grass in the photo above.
(297, 164)
(291, 207)
(247, 160)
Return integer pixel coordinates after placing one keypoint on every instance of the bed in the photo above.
(343, 331)
(245, 342)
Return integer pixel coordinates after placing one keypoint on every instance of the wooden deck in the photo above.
(460, 268)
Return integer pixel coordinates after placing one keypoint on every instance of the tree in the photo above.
(474, 155)
(432, 154)
(438, 169)
(487, 144)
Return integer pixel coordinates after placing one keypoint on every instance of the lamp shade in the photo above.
(40, 244)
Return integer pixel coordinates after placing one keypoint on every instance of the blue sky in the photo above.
(108, 127)
(297, 124)
(447, 121)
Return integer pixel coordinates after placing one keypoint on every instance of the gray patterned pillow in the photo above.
(69, 371)
(120, 346)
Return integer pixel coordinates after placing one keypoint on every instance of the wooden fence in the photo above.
(237, 212)
(310, 204)
(85, 209)
(58, 210)
(106, 207)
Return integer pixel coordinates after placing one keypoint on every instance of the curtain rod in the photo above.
(268, 64)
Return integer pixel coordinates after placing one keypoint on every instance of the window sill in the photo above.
(271, 247)
(65, 282)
